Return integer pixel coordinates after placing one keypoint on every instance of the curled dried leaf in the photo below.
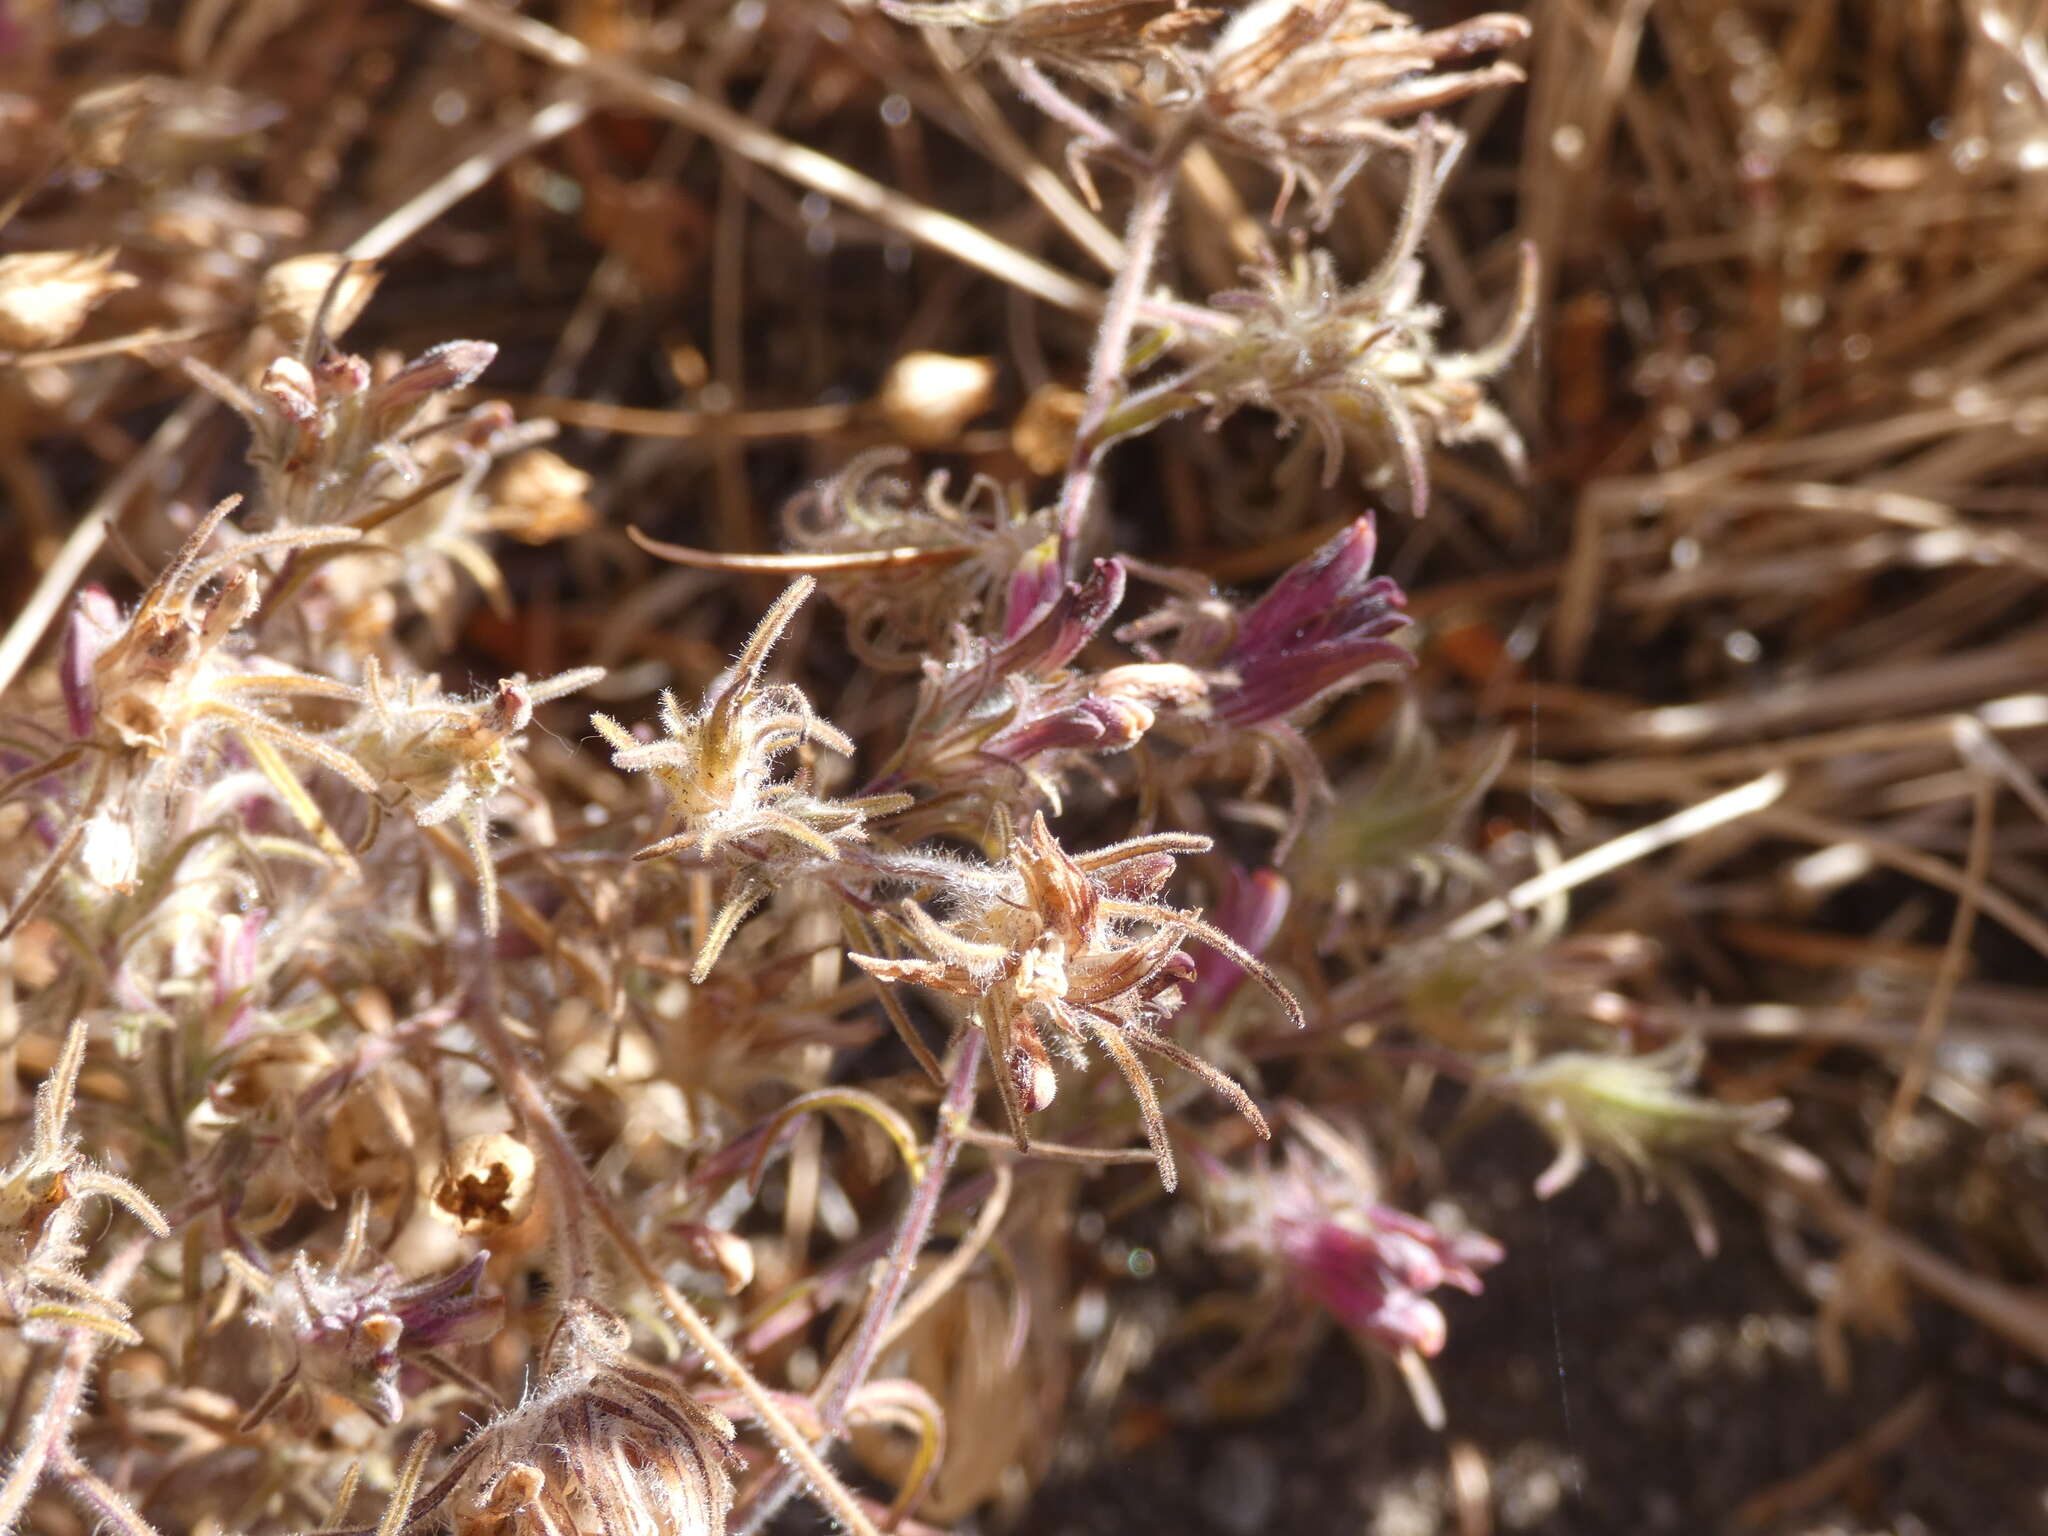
(45, 296)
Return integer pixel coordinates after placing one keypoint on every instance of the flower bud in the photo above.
(1066, 625)
(451, 365)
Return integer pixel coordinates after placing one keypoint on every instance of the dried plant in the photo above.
(717, 767)
(507, 1144)
(1353, 363)
(447, 758)
(1315, 88)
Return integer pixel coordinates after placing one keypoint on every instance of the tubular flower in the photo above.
(1323, 627)
(1369, 1266)
(1065, 950)
(1019, 703)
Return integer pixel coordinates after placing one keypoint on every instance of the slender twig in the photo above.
(558, 117)
(1920, 1059)
(850, 1370)
(50, 1430)
(1112, 343)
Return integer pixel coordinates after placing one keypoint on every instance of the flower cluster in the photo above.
(1019, 705)
(718, 768)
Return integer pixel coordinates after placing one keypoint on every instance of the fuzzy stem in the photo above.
(911, 1233)
(850, 1371)
(50, 1431)
(1112, 342)
(99, 1496)
(534, 1108)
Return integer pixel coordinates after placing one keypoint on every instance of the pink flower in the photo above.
(1321, 628)
(1372, 1267)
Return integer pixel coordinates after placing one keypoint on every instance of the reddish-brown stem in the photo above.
(851, 1369)
(1112, 344)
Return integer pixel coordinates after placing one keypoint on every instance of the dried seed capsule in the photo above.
(486, 1183)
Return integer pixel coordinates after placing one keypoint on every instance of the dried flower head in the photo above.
(918, 561)
(143, 696)
(1355, 363)
(450, 758)
(1637, 1115)
(602, 1446)
(486, 1183)
(1315, 87)
(1105, 43)
(718, 767)
(43, 1197)
(1066, 950)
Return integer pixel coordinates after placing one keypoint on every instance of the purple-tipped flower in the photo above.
(349, 1328)
(1036, 581)
(1253, 906)
(95, 624)
(1060, 628)
(1323, 627)
(1118, 707)
(1371, 1268)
